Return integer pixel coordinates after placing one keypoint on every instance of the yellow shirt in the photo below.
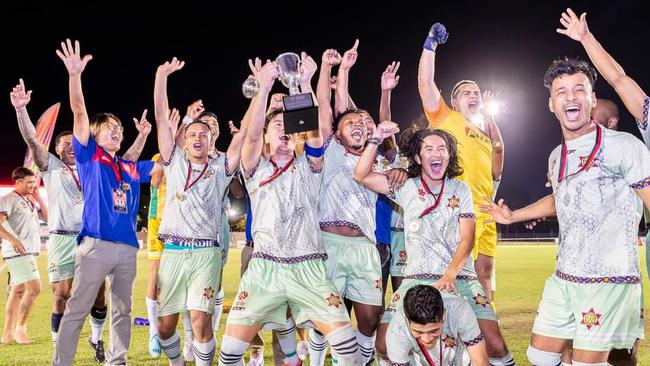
(157, 198)
(474, 150)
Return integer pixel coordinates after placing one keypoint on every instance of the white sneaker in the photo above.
(302, 349)
(188, 351)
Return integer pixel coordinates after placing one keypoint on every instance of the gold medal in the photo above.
(126, 186)
(179, 196)
(79, 197)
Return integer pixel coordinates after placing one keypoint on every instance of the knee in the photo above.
(368, 323)
(33, 291)
(538, 357)
(60, 298)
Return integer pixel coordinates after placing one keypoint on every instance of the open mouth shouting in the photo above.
(572, 112)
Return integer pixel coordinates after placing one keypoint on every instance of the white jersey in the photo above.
(344, 202)
(284, 202)
(65, 200)
(22, 222)
(432, 240)
(598, 209)
(645, 134)
(193, 206)
(460, 330)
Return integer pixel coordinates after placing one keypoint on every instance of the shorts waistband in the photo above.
(612, 279)
(181, 246)
(20, 255)
(438, 276)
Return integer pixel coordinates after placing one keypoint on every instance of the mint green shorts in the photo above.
(23, 269)
(470, 289)
(398, 254)
(188, 279)
(268, 288)
(60, 257)
(596, 316)
(354, 267)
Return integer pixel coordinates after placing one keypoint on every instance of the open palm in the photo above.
(71, 57)
(575, 28)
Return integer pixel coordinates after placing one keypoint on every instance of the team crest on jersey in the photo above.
(480, 299)
(583, 162)
(590, 318)
(421, 193)
(333, 300)
(208, 174)
(52, 267)
(208, 293)
(453, 202)
(449, 342)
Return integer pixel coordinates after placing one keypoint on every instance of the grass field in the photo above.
(522, 270)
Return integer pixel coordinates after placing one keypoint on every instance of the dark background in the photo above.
(504, 46)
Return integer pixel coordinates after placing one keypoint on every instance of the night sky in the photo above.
(505, 47)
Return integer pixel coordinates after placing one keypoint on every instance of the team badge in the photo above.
(395, 298)
(333, 300)
(583, 163)
(480, 299)
(590, 318)
(421, 193)
(52, 267)
(378, 284)
(208, 293)
(449, 342)
(453, 202)
(208, 174)
(243, 295)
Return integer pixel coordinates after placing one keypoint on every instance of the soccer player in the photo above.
(19, 228)
(434, 328)
(606, 114)
(287, 269)
(439, 222)
(107, 241)
(592, 302)
(65, 210)
(190, 266)
(476, 149)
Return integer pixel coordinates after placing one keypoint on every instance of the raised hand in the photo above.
(266, 74)
(486, 99)
(331, 57)
(308, 68)
(194, 109)
(386, 129)
(350, 56)
(174, 118)
(575, 28)
(500, 212)
(19, 97)
(71, 57)
(389, 78)
(142, 125)
(169, 67)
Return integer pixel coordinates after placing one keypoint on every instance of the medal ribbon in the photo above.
(426, 353)
(438, 199)
(29, 202)
(189, 184)
(276, 172)
(590, 159)
(74, 176)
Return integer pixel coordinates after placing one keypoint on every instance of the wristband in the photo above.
(375, 140)
(314, 152)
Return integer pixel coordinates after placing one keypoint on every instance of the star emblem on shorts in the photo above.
(208, 293)
(449, 342)
(453, 202)
(480, 299)
(333, 300)
(590, 318)
(378, 284)
(402, 254)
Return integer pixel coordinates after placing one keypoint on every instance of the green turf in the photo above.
(522, 270)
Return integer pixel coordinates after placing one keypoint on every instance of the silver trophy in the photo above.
(289, 72)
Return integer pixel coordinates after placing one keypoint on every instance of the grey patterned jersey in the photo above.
(598, 209)
(460, 330)
(22, 222)
(193, 216)
(285, 210)
(432, 240)
(344, 202)
(65, 202)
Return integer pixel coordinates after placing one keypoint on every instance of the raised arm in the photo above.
(330, 59)
(19, 99)
(389, 80)
(308, 68)
(342, 93)
(75, 64)
(429, 92)
(236, 144)
(254, 141)
(363, 173)
(161, 107)
(502, 214)
(627, 89)
(144, 128)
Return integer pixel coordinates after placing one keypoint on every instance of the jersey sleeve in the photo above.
(82, 153)
(635, 162)
(398, 345)
(436, 117)
(466, 202)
